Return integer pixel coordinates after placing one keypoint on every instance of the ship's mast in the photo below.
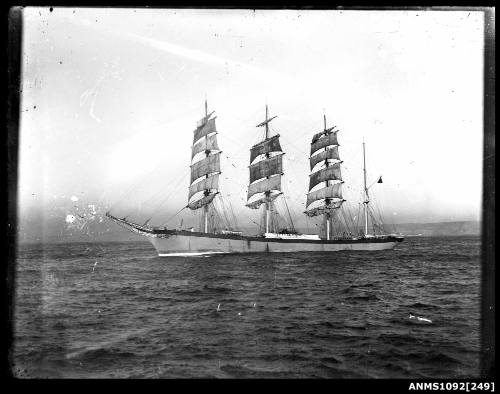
(267, 193)
(366, 191)
(326, 144)
(207, 192)
(265, 174)
(206, 169)
(327, 201)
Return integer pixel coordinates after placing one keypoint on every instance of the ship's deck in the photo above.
(257, 238)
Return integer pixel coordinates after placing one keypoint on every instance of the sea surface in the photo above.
(115, 310)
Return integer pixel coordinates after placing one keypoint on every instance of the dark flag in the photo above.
(380, 179)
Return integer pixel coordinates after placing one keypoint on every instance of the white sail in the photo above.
(264, 185)
(324, 147)
(203, 145)
(332, 191)
(202, 201)
(267, 146)
(329, 153)
(207, 165)
(261, 200)
(207, 128)
(212, 182)
(267, 167)
(323, 142)
(204, 140)
(330, 173)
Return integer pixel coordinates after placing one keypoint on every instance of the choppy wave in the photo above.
(338, 315)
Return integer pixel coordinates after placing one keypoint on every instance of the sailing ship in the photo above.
(266, 171)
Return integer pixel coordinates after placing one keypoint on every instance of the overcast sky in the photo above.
(111, 97)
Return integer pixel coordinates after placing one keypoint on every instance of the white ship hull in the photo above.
(185, 243)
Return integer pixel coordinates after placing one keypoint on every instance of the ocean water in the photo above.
(300, 315)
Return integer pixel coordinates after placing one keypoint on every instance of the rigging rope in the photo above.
(171, 217)
(291, 220)
(134, 186)
(167, 197)
(345, 220)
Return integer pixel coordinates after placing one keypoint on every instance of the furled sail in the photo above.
(267, 146)
(202, 201)
(257, 203)
(205, 129)
(323, 142)
(330, 153)
(203, 120)
(265, 185)
(317, 136)
(210, 183)
(205, 145)
(205, 166)
(324, 209)
(329, 173)
(332, 191)
(267, 167)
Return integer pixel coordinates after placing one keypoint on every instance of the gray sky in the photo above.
(111, 97)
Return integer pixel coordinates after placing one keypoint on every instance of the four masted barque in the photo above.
(266, 171)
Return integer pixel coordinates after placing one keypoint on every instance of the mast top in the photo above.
(266, 122)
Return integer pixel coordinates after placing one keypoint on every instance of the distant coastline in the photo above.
(440, 228)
